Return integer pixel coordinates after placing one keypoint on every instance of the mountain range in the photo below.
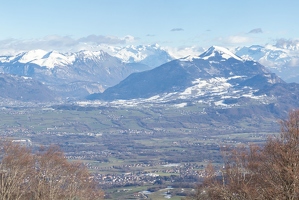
(282, 60)
(215, 79)
(191, 75)
(75, 75)
(149, 55)
(78, 74)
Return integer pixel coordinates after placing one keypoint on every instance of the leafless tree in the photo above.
(253, 172)
(46, 175)
(15, 171)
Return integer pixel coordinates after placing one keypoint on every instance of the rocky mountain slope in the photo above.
(148, 55)
(179, 75)
(78, 74)
(70, 75)
(280, 59)
(217, 79)
(16, 88)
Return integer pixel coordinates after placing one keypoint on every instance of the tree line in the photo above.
(257, 172)
(43, 175)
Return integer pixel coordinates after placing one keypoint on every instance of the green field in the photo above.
(116, 141)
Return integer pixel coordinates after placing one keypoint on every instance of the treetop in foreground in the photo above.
(258, 172)
(45, 175)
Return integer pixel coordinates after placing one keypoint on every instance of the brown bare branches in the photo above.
(46, 175)
(252, 172)
(16, 168)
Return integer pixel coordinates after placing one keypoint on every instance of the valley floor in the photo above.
(132, 150)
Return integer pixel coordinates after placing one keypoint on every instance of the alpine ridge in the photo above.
(71, 75)
(215, 79)
(178, 75)
(75, 75)
(280, 59)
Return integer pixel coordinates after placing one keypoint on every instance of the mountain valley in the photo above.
(135, 125)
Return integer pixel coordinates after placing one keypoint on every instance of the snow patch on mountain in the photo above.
(180, 105)
(201, 87)
(188, 58)
(6, 59)
(183, 52)
(213, 92)
(208, 87)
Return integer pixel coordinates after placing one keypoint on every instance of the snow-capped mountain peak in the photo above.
(215, 51)
(42, 58)
(281, 59)
(150, 55)
(54, 58)
(216, 72)
(32, 55)
(91, 55)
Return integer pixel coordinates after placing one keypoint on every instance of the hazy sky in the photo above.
(175, 23)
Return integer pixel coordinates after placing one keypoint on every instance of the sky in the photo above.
(66, 25)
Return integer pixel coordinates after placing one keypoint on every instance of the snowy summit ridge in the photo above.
(214, 51)
(54, 59)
